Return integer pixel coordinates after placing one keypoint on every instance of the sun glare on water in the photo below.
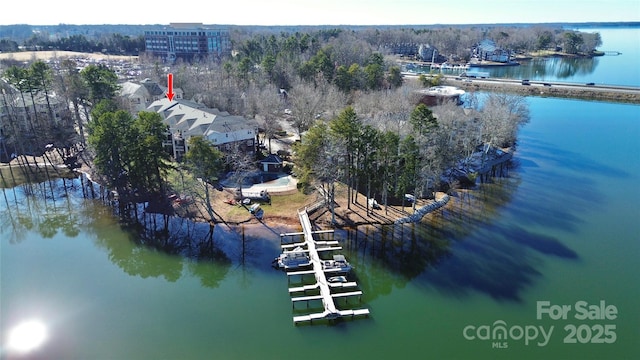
(27, 336)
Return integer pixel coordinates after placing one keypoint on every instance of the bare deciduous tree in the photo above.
(306, 104)
(269, 104)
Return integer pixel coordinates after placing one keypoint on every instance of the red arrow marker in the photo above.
(170, 86)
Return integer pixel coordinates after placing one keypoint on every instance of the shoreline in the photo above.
(346, 215)
(596, 94)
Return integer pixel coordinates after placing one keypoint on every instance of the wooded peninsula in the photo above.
(333, 102)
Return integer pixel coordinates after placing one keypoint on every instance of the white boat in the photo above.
(254, 208)
(293, 259)
(339, 264)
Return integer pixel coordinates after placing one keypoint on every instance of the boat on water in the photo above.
(338, 264)
(293, 259)
(337, 279)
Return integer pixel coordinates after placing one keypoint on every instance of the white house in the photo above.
(185, 119)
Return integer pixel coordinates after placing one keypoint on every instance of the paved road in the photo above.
(601, 92)
(561, 85)
(610, 90)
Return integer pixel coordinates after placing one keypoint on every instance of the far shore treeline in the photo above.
(129, 39)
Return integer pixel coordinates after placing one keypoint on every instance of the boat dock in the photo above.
(326, 291)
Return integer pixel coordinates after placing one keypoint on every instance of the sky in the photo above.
(317, 12)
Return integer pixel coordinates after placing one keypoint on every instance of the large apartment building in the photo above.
(187, 41)
(185, 119)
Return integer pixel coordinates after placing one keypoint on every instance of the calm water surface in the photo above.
(609, 69)
(562, 227)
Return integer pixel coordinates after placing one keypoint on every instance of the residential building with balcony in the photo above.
(186, 119)
(28, 121)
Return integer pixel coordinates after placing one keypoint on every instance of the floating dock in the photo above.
(321, 285)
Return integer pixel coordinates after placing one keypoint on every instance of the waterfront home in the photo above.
(186, 119)
(487, 50)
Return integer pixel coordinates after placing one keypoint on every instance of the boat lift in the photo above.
(322, 284)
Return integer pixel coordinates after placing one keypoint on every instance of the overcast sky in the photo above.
(318, 12)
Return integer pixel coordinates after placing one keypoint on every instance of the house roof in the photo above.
(153, 88)
(164, 104)
(271, 159)
(39, 98)
(128, 88)
(146, 88)
(226, 124)
(193, 119)
(487, 45)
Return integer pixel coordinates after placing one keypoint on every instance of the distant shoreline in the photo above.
(45, 55)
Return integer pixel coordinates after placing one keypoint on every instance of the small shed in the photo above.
(272, 163)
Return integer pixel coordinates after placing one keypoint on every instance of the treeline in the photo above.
(451, 41)
(387, 163)
(345, 47)
(114, 44)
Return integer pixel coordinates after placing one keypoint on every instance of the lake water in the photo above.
(563, 227)
(609, 69)
(619, 69)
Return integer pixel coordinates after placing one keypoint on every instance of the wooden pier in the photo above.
(321, 285)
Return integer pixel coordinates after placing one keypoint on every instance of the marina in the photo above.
(303, 258)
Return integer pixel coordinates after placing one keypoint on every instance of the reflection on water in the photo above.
(550, 69)
(26, 337)
(489, 258)
(460, 248)
(147, 245)
(45, 207)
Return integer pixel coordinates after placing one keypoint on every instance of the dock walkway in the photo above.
(322, 285)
